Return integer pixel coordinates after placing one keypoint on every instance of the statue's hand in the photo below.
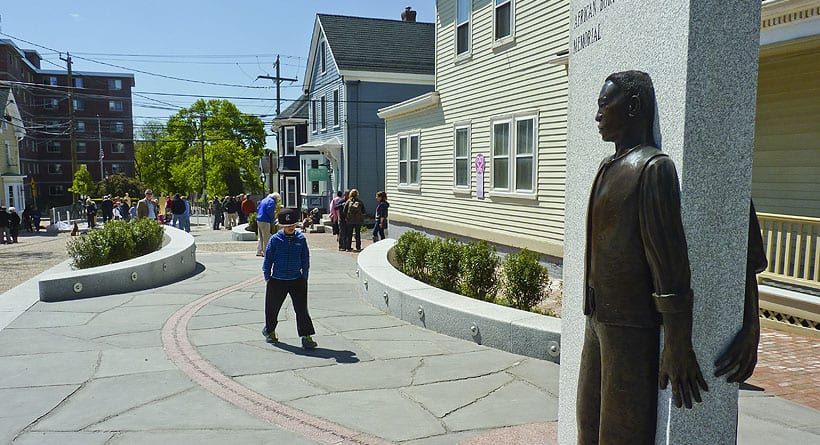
(739, 360)
(680, 368)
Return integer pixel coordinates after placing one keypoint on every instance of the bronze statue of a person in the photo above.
(637, 278)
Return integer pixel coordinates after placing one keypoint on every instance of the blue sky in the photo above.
(228, 42)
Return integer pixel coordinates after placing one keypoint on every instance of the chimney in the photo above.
(408, 15)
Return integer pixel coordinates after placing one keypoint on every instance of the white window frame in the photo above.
(117, 168)
(406, 165)
(118, 127)
(78, 82)
(79, 104)
(51, 81)
(117, 147)
(469, 24)
(512, 156)
(80, 126)
(305, 162)
(8, 153)
(289, 148)
(468, 186)
(55, 168)
(511, 36)
(114, 84)
(115, 105)
(323, 56)
(56, 190)
(82, 147)
(54, 147)
(323, 107)
(290, 188)
(314, 121)
(336, 107)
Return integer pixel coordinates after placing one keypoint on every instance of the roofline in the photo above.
(86, 73)
(412, 105)
(370, 18)
(41, 71)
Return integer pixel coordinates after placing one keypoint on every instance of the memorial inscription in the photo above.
(589, 33)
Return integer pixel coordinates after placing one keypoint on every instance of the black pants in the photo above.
(343, 242)
(618, 385)
(353, 231)
(275, 293)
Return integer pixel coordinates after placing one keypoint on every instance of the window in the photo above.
(55, 169)
(514, 155)
(79, 126)
(503, 18)
(79, 104)
(117, 147)
(118, 127)
(336, 108)
(8, 153)
(290, 141)
(409, 160)
(462, 157)
(323, 104)
(322, 58)
(464, 11)
(114, 105)
(290, 193)
(117, 169)
(51, 103)
(314, 125)
(311, 180)
(51, 80)
(78, 82)
(114, 84)
(81, 147)
(56, 190)
(53, 147)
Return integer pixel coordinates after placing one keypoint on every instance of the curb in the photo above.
(238, 233)
(500, 327)
(175, 261)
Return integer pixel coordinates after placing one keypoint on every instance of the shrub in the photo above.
(116, 241)
(411, 249)
(252, 223)
(442, 259)
(478, 269)
(524, 280)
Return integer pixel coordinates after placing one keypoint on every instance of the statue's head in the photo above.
(626, 105)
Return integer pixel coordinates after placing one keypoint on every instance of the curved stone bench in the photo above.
(500, 327)
(174, 261)
(238, 233)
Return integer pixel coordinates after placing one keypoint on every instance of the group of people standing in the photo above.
(112, 209)
(231, 211)
(347, 213)
(9, 225)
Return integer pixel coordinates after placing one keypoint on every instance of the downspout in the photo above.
(352, 100)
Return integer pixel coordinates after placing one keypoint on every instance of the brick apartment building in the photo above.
(102, 120)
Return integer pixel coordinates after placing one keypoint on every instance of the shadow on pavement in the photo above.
(339, 356)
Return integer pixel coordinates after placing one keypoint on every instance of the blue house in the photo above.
(356, 66)
(291, 127)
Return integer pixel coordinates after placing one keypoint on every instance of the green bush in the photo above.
(411, 249)
(478, 269)
(252, 223)
(116, 241)
(442, 258)
(524, 280)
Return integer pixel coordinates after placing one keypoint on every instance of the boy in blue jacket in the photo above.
(286, 266)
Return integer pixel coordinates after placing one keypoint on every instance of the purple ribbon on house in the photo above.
(480, 165)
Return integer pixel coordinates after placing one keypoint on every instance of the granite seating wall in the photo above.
(174, 261)
(500, 327)
(238, 233)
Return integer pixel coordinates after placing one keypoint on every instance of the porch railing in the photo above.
(792, 246)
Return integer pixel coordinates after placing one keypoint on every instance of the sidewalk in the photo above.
(186, 363)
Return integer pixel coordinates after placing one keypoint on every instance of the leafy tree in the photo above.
(153, 156)
(232, 143)
(83, 183)
(120, 184)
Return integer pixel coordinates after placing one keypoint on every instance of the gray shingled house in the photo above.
(355, 66)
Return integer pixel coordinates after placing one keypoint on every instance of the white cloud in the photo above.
(75, 15)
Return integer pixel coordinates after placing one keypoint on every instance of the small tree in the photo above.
(525, 280)
(479, 265)
(83, 183)
(442, 260)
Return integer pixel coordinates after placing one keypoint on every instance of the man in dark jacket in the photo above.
(107, 207)
(14, 224)
(5, 235)
(177, 209)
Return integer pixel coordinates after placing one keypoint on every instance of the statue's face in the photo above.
(612, 112)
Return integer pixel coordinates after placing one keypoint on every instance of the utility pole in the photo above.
(72, 133)
(102, 154)
(202, 145)
(278, 79)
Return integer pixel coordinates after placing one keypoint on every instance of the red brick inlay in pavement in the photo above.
(185, 356)
(788, 366)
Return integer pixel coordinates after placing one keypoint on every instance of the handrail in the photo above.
(792, 245)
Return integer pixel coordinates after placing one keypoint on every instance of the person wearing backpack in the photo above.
(354, 212)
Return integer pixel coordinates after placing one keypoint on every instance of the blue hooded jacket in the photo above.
(287, 257)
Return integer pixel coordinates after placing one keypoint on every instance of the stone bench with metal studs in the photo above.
(489, 324)
(174, 261)
(240, 233)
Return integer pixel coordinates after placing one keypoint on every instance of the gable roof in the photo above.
(297, 109)
(375, 45)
